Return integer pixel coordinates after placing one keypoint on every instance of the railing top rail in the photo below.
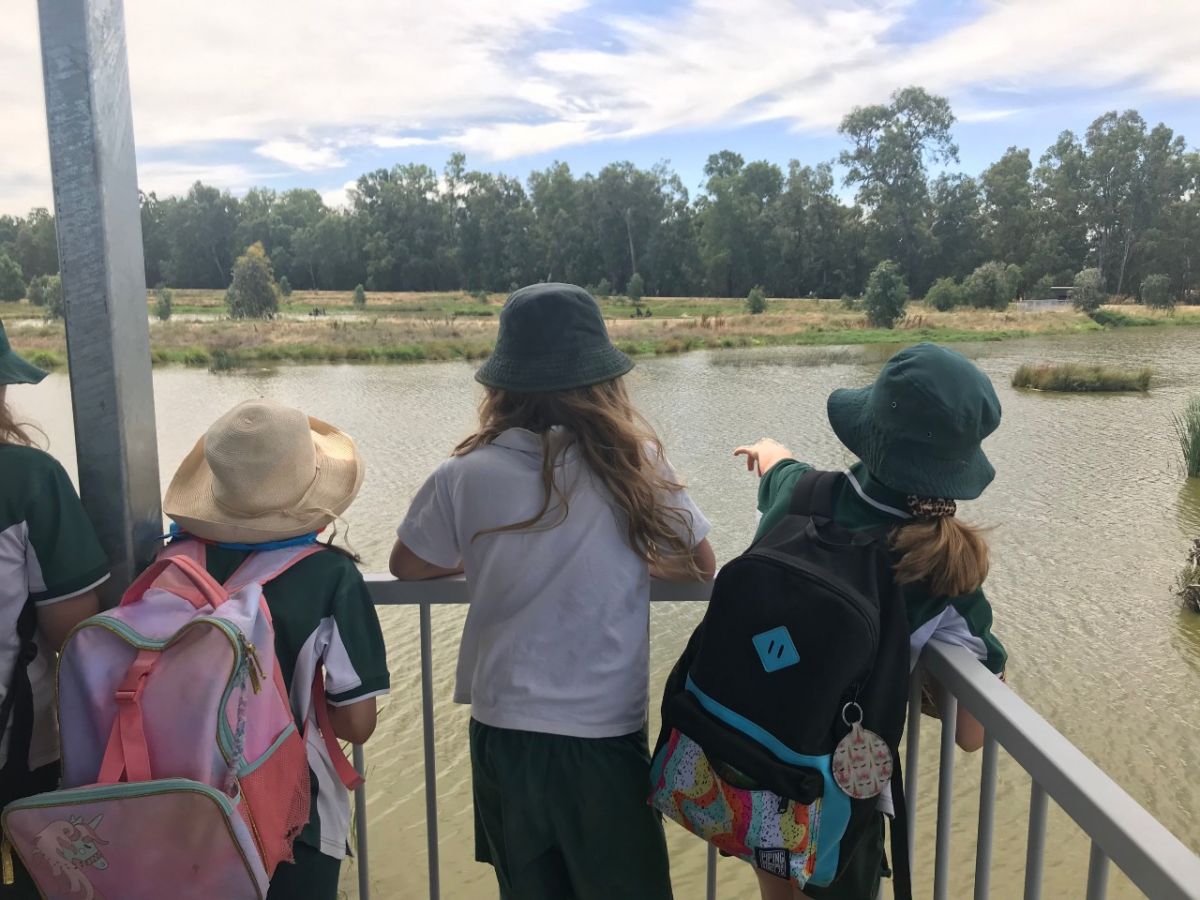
(1153, 858)
(387, 591)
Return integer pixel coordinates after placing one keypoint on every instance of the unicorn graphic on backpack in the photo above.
(69, 846)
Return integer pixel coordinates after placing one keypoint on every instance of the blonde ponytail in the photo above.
(951, 556)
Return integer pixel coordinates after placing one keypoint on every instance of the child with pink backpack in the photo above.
(201, 717)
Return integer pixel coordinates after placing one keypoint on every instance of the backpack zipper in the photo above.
(854, 601)
(243, 653)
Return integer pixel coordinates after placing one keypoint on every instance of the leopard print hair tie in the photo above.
(926, 509)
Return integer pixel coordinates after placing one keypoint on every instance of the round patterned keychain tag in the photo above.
(862, 762)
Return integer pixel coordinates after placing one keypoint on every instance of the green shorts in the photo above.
(565, 818)
(859, 879)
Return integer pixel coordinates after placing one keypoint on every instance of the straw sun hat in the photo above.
(264, 472)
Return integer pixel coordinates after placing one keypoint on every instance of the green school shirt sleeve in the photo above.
(64, 556)
(965, 621)
(775, 491)
(356, 661)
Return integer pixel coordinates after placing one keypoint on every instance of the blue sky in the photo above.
(307, 93)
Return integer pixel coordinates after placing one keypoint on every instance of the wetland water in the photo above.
(1092, 519)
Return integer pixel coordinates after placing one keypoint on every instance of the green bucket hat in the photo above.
(13, 369)
(919, 428)
(552, 338)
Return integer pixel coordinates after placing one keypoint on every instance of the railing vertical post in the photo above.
(987, 810)
(360, 827)
(431, 814)
(1036, 846)
(99, 226)
(941, 864)
(1097, 883)
(710, 869)
(912, 757)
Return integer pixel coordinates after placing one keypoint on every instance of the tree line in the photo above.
(1123, 198)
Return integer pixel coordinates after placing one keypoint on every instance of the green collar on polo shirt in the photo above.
(875, 493)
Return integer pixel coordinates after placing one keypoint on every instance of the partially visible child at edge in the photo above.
(559, 508)
(50, 566)
(917, 433)
(266, 476)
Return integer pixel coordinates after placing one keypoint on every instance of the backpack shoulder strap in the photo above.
(814, 494)
(266, 565)
(17, 708)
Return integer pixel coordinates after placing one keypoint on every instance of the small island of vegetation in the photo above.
(1077, 378)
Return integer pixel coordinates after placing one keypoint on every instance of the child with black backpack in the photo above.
(559, 508)
(782, 719)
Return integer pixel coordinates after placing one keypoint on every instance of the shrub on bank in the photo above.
(1076, 378)
(945, 294)
(635, 288)
(12, 281)
(756, 302)
(252, 294)
(1088, 295)
(163, 304)
(992, 286)
(886, 295)
(1156, 292)
(360, 295)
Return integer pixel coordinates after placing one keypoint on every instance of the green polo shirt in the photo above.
(48, 553)
(323, 617)
(862, 503)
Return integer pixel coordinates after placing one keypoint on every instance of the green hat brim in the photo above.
(15, 370)
(553, 372)
(905, 466)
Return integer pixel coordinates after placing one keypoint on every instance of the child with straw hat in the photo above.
(265, 477)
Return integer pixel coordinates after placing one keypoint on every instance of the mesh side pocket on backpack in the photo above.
(276, 798)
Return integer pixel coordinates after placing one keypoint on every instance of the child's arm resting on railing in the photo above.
(407, 566)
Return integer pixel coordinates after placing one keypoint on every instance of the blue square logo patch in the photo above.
(775, 649)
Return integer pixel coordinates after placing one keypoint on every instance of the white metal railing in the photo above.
(1120, 830)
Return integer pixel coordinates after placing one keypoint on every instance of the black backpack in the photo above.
(804, 624)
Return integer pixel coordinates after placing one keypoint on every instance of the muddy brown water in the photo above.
(1092, 519)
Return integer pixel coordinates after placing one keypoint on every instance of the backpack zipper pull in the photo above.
(6, 862)
(784, 803)
(253, 666)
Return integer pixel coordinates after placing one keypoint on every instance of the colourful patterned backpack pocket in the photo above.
(763, 828)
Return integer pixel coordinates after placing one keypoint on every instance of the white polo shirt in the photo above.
(557, 637)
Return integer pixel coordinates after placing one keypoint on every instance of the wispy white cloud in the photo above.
(505, 80)
(301, 156)
(337, 197)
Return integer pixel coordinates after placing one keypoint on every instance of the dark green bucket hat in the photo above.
(13, 369)
(920, 427)
(552, 338)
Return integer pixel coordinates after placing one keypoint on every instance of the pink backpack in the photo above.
(181, 760)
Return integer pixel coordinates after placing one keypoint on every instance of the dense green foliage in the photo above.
(285, 287)
(163, 300)
(252, 293)
(756, 301)
(46, 291)
(1187, 429)
(636, 288)
(12, 282)
(1072, 377)
(1088, 294)
(1156, 292)
(886, 295)
(360, 295)
(945, 294)
(1122, 198)
(991, 286)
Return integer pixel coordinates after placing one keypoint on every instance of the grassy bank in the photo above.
(416, 327)
(1075, 378)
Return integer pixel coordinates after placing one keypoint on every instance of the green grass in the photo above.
(1187, 429)
(1076, 378)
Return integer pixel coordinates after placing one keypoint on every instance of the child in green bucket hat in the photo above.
(558, 509)
(50, 566)
(918, 433)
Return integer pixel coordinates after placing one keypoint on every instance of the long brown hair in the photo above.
(12, 431)
(618, 445)
(950, 555)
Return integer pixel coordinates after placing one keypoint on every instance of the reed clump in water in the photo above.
(1187, 429)
(1074, 377)
(1187, 582)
